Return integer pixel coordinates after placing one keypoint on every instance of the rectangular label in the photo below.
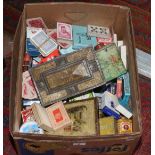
(58, 116)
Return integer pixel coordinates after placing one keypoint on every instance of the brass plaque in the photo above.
(67, 76)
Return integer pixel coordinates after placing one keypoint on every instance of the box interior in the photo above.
(81, 14)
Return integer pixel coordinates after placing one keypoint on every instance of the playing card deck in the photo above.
(27, 115)
(52, 118)
(45, 44)
(98, 31)
(28, 89)
(51, 56)
(36, 22)
(31, 49)
(64, 31)
(61, 42)
(58, 116)
(30, 31)
(81, 38)
(83, 114)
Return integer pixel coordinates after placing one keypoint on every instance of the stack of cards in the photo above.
(28, 90)
(63, 43)
(45, 44)
(98, 31)
(36, 22)
(52, 118)
(81, 38)
(64, 31)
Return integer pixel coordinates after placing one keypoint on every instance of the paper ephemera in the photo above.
(63, 43)
(27, 115)
(98, 31)
(30, 31)
(64, 31)
(28, 90)
(36, 22)
(44, 43)
(104, 41)
(58, 116)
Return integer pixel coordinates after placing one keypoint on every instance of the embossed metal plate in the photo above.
(67, 76)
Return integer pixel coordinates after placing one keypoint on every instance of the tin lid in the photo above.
(31, 127)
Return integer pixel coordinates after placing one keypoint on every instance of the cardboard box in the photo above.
(119, 18)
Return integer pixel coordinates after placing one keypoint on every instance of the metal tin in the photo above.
(67, 76)
(124, 125)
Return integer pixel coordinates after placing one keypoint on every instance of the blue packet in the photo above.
(81, 39)
(67, 50)
(31, 49)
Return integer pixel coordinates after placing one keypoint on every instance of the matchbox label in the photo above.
(57, 115)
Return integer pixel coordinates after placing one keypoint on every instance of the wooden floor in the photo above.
(7, 43)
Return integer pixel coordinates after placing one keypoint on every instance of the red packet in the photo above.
(28, 90)
(27, 115)
(36, 22)
(51, 56)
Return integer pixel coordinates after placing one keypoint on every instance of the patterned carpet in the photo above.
(145, 88)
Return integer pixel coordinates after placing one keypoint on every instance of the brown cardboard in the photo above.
(82, 14)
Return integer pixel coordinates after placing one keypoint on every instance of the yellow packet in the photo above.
(107, 125)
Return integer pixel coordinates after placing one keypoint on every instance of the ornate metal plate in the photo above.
(66, 76)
